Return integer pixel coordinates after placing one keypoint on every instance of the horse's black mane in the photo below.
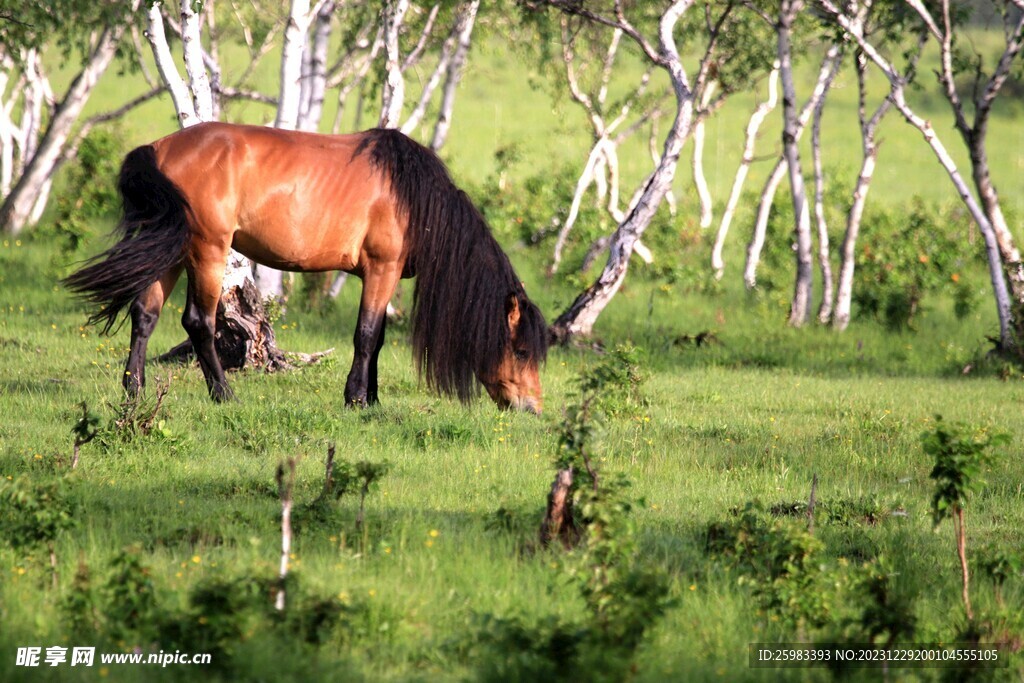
(464, 281)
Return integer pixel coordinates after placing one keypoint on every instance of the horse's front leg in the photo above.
(378, 286)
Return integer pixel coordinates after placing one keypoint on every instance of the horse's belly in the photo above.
(294, 251)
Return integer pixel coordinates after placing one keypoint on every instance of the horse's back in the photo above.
(288, 199)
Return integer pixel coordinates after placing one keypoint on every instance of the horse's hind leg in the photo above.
(145, 312)
(205, 274)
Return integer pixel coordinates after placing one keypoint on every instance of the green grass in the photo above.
(754, 417)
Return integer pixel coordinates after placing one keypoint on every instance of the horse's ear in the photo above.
(512, 309)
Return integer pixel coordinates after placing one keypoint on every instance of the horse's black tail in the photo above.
(153, 233)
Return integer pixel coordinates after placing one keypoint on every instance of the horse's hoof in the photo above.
(222, 394)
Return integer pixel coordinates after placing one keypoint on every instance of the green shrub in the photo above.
(904, 258)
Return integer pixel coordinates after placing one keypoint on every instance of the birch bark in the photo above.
(799, 310)
(17, 208)
(453, 75)
(826, 74)
(393, 91)
(824, 261)
(700, 182)
(1001, 292)
(580, 317)
(750, 140)
(869, 155)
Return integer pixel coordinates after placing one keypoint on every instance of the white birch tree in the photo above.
(44, 147)
(580, 317)
(602, 166)
(888, 27)
(971, 122)
(799, 311)
(820, 222)
(826, 75)
(897, 93)
(757, 118)
(193, 101)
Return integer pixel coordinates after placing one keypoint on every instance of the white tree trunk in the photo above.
(7, 128)
(19, 204)
(612, 165)
(312, 107)
(37, 87)
(192, 47)
(869, 155)
(580, 317)
(824, 261)
(427, 93)
(898, 97)
(586, 178)
(454, 75)
(652, 147)
(602, 166)
(799, 310)
(393, 95)
(290, 87)
(750, 140)
(181, 98)
(844, 297)
(975, 133)
(826, 74)
(764, 210)
(44, 196)
(699, 181)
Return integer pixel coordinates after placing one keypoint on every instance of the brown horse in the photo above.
(375, 204)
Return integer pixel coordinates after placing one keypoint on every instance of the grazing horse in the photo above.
(375, 204)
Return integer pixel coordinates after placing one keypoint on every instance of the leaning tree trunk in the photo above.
(18, 206)
(1008, 251)
(580, 317)
(466, 21)
(974, 135)
(1004, 305)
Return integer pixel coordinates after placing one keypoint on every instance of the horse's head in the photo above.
(514, 381)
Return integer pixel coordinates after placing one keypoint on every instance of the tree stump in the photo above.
(559, 521)
(245, 337)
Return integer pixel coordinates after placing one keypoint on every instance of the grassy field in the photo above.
(448, 549)
(751, 419)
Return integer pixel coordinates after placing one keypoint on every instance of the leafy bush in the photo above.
(528, 210)
(33, 514)
(131, 610)
(906, 257)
